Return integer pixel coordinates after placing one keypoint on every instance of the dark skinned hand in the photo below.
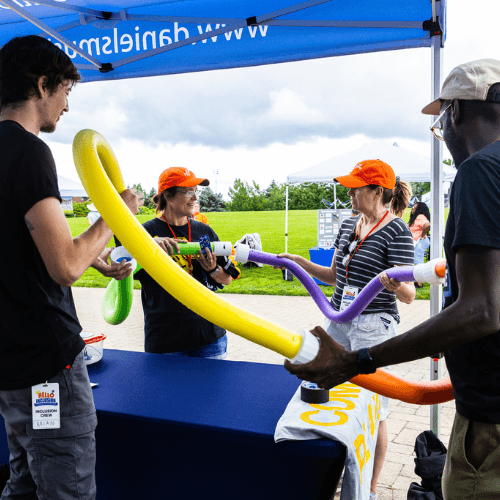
(332, 366)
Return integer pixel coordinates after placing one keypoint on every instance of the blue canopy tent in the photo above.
(115, 39)
(131, 38)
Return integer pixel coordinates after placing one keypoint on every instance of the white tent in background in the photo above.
(409, 166)
(67, 187)
(426, 198)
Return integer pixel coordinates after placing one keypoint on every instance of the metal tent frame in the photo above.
(317, 19)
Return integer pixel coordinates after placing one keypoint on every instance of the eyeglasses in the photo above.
(189, 194)
(438, 130)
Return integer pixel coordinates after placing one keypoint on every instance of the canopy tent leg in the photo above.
(286, 220)
(437, 212)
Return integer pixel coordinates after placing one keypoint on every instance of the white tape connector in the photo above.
(427, 273)
(308, 349)
(241, 252)
(223, 248)
(120, 253)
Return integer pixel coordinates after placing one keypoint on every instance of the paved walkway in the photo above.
(404, 422)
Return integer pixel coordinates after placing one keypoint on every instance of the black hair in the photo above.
(422, 209)
(23, 60)
(161, 199)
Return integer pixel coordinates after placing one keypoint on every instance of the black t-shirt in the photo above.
(473, 220)
(390, 246)
(169, 326)
(39, 329)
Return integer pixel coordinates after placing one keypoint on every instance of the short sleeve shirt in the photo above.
(417, 227)
(170, 326)
(390, 246)
(39, 329)
(473, 220)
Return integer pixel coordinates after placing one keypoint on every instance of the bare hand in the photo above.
(118, 271)
(332, 366)
(168, 244)
(207, 260)
(133, 199)
(285, 256)
(389, 283)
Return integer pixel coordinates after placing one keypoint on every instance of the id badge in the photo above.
(349, 294)
(45, 406)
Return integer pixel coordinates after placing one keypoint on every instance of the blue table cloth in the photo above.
(175, 427)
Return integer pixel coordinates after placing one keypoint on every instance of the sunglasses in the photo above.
(349, 248)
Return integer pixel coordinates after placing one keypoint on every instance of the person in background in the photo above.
(468, 327)
(93, 215)
(419, 225)
(367, 245)
(169, 326)
(199, 216)
(39, 328)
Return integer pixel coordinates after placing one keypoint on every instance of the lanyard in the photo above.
(361, 242)
(190, 267)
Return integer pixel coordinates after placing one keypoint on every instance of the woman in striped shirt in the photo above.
(366, 246)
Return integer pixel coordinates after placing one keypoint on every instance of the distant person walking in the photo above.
(419, 225)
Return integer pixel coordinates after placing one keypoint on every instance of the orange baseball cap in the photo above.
(369, 172)
(179, 176)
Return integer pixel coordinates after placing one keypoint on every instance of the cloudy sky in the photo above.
(266, 122)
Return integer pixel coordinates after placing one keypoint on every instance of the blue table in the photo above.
(323, 257)
(187, 428)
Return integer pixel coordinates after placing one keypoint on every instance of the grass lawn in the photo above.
(231, 226)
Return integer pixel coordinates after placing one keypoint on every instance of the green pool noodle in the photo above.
(119, 295)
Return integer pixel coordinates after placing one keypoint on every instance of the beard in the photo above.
(48, 127)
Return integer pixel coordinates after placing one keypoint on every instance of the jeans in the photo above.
(215, 350)
(420, 249)
(366, 330)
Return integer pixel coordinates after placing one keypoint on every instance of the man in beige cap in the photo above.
(468, 327)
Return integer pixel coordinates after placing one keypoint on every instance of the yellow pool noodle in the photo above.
(101, 177)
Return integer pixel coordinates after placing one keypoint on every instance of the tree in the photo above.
(419, 188)
(310, 196)
(211, 202)
(245, 197)
(148, 198)
(275, 196)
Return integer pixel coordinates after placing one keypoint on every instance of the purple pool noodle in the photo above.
(403, 273)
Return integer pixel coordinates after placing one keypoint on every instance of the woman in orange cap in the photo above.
(169, 326)
(366, 245)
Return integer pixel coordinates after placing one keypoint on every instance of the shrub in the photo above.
(80, 209)
(147, 210)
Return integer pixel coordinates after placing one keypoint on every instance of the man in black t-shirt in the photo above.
(468, 329)
(45, 395)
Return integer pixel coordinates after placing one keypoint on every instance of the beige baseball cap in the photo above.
(470, 81)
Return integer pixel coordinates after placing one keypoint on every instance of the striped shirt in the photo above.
(390, 246)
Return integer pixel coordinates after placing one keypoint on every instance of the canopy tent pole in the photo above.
(437, 218)
(286, 219)
(335, 194)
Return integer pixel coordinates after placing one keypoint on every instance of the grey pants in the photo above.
(52, 464)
